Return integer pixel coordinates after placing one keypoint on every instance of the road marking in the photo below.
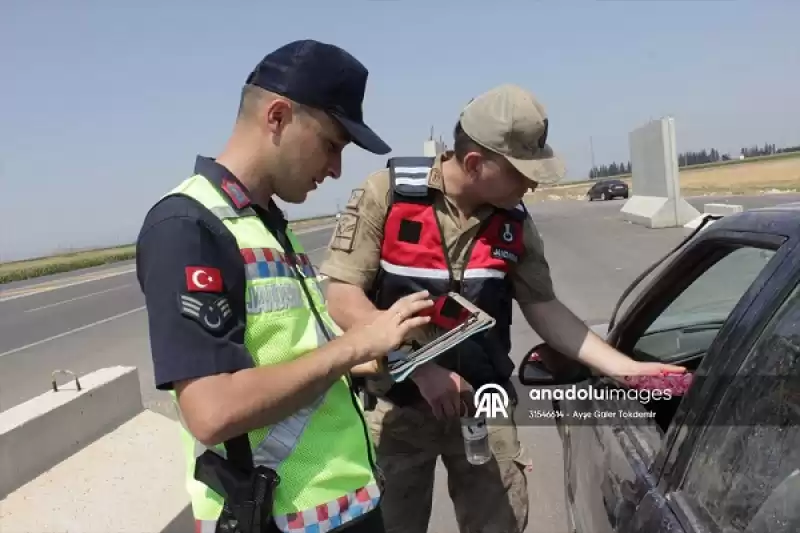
(315, 229)
(70, 332)
(22, 292)
(78, 298)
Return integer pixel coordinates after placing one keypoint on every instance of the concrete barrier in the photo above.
(656, 200)
(42, 432)
(128, 481)
(714, 209)
(722, 209)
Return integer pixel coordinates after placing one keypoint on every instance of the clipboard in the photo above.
(456, 319)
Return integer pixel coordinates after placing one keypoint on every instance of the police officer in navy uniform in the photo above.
(299, 108)
(456, 222)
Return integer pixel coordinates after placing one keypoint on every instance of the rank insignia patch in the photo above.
(210, 311)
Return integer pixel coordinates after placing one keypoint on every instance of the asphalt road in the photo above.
(82, 321)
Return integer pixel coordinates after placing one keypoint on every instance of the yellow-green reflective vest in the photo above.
(323, 452)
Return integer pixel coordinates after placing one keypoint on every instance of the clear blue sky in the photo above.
(104, 106)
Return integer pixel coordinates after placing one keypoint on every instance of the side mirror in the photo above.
(543, 366)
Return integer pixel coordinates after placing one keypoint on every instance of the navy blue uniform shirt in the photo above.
(191, 272)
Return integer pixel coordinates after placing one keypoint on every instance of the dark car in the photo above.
(725, 456)
(607, 190)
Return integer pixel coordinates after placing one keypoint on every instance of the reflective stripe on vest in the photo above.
(438, 273)
(410, 174)
(226, 212)
(322, 518)
(324, 483)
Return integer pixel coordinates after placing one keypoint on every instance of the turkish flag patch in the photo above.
(203, 279)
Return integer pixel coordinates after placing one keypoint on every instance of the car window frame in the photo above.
(670, 483)
(713, 252)
(645, 451)
(766, 292)
(706, 250)
(702, 253)
(667, 464)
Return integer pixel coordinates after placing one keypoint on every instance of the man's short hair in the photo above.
(252, 96)
(463, 144)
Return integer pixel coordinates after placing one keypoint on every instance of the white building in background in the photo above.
(433, 147)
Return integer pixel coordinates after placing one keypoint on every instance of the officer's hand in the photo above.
(448, 394)
(370, 368)
(388, 329)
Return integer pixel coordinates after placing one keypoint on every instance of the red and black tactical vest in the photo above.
(413, 258)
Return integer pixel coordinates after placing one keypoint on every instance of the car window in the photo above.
(752, 444)
(690, 322)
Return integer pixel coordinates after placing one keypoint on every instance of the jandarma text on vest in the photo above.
(278, 296)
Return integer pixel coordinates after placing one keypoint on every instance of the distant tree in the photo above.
(685, 159)
(608, 171)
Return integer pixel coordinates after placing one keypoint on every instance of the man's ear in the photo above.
(277, 114)
(472, 164)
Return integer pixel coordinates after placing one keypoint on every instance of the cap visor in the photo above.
(363, 136)
(547, 168)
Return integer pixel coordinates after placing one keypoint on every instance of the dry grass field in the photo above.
(33, 268)
(763, 176)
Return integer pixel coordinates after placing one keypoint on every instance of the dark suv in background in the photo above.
(607, 190)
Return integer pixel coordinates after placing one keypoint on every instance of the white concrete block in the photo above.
(47, 429)
(658, 211)
(722, 209)
(131, 480)
(656, 201)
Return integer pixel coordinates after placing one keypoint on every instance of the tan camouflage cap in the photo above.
(510, 121)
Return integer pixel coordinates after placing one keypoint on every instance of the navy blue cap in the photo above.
(325, 77)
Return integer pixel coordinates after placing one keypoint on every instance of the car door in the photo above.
(612, 446)
(736, 466)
